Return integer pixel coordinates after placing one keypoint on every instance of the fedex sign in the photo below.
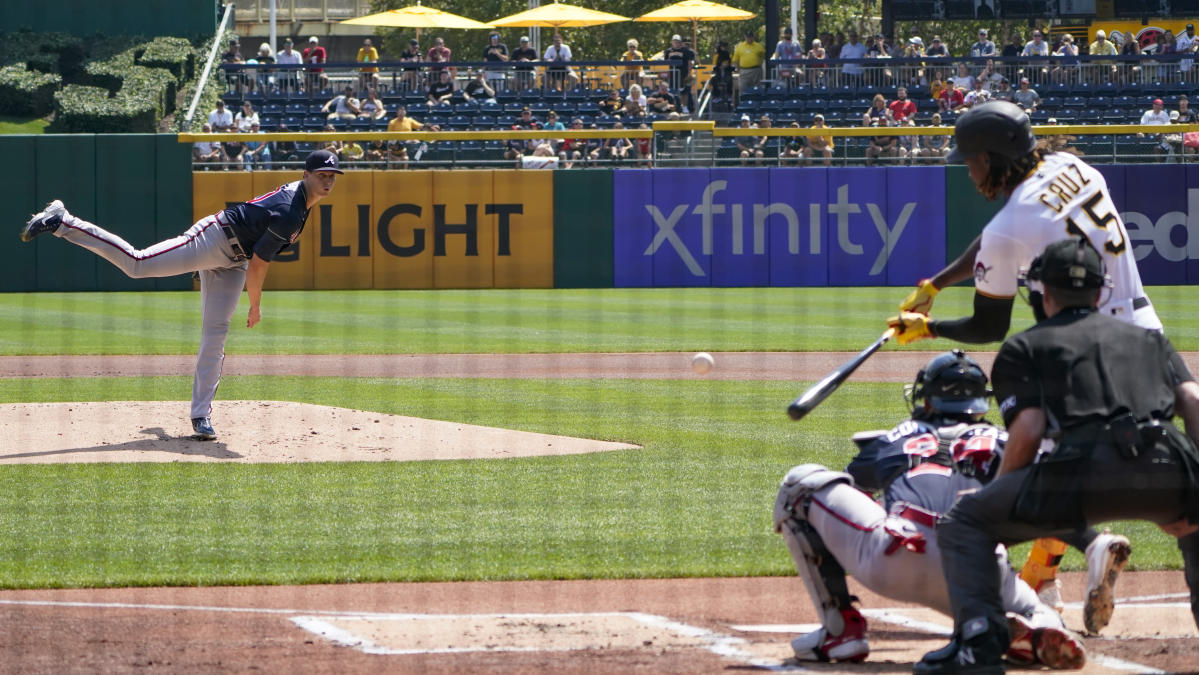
(778, 226)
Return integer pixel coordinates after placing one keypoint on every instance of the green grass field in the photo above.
(695, 501)
(22, 125)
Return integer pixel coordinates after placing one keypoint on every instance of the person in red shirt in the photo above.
(315, 53)
(951, 100)
(902, 107)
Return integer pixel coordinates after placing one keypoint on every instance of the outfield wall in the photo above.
(565, 229)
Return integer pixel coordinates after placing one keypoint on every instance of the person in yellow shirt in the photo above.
(1104, 47)
(369, 77)
(822, 145)
(748, 56)
(398, 152)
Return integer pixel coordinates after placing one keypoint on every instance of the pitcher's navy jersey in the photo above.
(269, 223)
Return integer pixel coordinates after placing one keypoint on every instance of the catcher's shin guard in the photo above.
(1043, 561)
(822, 575)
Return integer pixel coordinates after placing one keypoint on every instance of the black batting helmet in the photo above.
(952, 384)
(1000, 127)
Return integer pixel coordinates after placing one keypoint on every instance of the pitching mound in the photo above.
(257, 431)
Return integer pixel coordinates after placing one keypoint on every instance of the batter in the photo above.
(230, 249)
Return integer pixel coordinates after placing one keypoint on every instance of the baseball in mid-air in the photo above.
(702, 363)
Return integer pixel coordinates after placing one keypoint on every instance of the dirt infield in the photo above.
(671, 626)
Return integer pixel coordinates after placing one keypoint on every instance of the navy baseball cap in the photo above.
(322, 160)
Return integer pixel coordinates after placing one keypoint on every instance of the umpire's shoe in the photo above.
(978, 648)
(1106, 558)
(202, 426)
(46, 221)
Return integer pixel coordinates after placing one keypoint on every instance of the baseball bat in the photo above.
(821, 390)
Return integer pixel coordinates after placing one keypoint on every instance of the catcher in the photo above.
(921, 467)
(1050, 195)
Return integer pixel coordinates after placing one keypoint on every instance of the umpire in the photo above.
(1103, 392)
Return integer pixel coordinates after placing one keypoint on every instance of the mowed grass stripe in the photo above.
(695, 501)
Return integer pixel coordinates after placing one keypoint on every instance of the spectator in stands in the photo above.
(289, 79)
(265, 76)
(937, 48)
(886, 147)
(977, 95)
(852, 72)
(645, 150)
(552, 123)
(207, 153)
(682, 62)
(352, 152)
(613, 104)
(617, 149)
(817, 70)
(518, 147)
(745, 144)
(245, 117)
(914, 48)
(398, 151)
(755, 147)
(909, 145)
(1165, 45)
(990, 77)
(1129, 71)
(524, 54)
(438, 53)
(368, 76)
(878, 109)
(286, 151)
(315, 54)
(559, 75)
(875, 46)
(936, 86)
(933, 149)
(631, 74)
(983, 47)
(635, 103)
(1037, 51)
(345, 106)
(788, 49)
(819, 145)
(1157, 115)
(235, 154)
(1004, 92)
(1026, 97)
(220, 119)
(793, 148)
(236, 79)
(442, 89)
(902, 107)
(332, 145)
(1106, 70)
(1068, 64)
(573, 150)
(661, 100)
(1184, 115)
(411, 57)
(376, 153)
(1186, 43)
(495, 52)
(258, 153)
(479, 89)
(1012, 49)
(963, 80)
(748, 56)
(952, 100)
(371, 107)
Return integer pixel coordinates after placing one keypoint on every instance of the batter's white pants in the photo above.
(203, 248)
(860, 535)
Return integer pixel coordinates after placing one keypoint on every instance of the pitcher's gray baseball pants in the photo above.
(203, 248)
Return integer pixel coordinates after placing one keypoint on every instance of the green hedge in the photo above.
(169, 53)
(27, 92)
(84, 109)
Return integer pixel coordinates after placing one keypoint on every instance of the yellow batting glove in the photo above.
(921, 299)
(909, 327)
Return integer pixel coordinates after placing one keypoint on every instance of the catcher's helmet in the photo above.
(1000, 127)
(952, 384)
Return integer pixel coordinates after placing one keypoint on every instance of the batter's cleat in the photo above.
(1106, 558)
(46, 221)
(202, 426)
(977, 649)
(1050, 593)
(850, 645)
(1052, 645)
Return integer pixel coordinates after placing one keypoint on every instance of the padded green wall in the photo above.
(185, 18)
(583, 255)
(967, 212)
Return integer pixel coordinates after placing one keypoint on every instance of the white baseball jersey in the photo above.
(1063, 197)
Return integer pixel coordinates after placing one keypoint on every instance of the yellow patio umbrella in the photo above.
(696, 11)
(559, 15)
(418, 17)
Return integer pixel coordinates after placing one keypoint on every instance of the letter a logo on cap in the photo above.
(332, 160)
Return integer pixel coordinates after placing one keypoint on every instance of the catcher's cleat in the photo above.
(1051, 646)
(1050, 593)
(1106, 558)
(202, 426)
(850, 645)
(46, 221)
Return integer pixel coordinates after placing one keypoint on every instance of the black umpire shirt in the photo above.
(1082, 367)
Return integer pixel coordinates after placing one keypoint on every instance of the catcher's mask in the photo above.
(1069, 264)
(952, 384)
